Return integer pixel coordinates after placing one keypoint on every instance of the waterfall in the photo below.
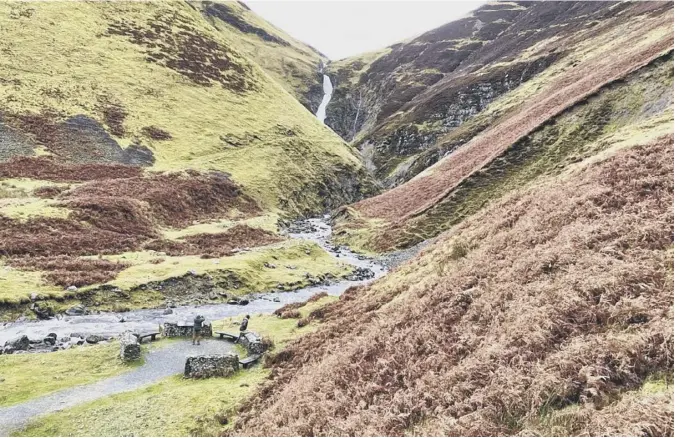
(327, 94)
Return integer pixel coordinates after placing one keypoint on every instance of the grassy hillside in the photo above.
(549, 313)
(292, 63)
(582, 103)
(155, 83)
(150, 128)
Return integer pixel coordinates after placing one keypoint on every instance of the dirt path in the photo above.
(160, 363)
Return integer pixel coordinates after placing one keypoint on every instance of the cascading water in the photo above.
(327, 94)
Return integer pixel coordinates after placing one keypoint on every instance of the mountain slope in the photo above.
(142, 143)
(292, 63)
(426, 97)
(512, 134)
(155, 83)
(548, 313)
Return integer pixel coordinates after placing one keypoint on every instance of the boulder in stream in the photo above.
(50, 339)
(21, 343)
(76, 310)
(94, 339)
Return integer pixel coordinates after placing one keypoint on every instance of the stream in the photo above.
(146, 320)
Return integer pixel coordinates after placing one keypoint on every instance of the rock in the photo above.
(122, 319)
(94, 339)
(50, 339)
(276, 299)
(243, 302)
(360, 274)
(34, 296)
(130, 349)
(167, 312)
(18, 344)
(269, 265)
(221, 365)
(213, 296)
(65, 339)
(55, 349)
(71, 288)
(77, 335)
(233, 301)
(76, 310)
(41, 313)
(192, 272)
(291, 267)
(252, 342)
(80, 342)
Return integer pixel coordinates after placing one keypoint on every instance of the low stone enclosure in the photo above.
(221, 365)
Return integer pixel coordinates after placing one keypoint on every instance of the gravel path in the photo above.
(159, 363)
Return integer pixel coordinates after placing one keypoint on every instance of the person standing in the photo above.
(197, 329)
(242, 328)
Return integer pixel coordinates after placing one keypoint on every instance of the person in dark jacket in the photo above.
(197, 329)
(242, 328)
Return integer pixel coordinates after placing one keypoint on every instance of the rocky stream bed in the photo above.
(71, 330)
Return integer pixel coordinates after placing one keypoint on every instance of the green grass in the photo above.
(295, 66)
(16, 286)
(306, 257)
(281, 331)
(173, 407)
(28, 207)
(27, 376)
(266, 222)
(248, 266)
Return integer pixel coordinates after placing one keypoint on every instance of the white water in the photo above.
(327, 94)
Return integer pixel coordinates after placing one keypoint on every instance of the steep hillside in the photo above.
(294, 64)
(582, 103)
(142, 142)
(410, 106)
(549, 313)
(156, 84)
(372, 87)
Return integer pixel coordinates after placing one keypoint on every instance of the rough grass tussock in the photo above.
(216, 245)
(49, 169)
(563, 305)
(175, 199)
(71, 271)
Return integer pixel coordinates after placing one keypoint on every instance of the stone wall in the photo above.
(218, 365)
(130, 349)
(173, 330)
(253, 343)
